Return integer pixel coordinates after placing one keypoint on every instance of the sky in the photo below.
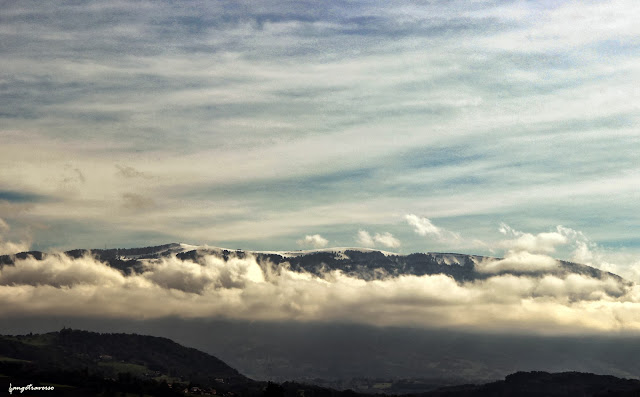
(449, 126)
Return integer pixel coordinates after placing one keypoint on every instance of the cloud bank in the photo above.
(242, 288)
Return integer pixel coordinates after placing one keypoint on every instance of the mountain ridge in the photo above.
(359, 262)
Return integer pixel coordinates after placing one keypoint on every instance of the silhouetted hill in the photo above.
(76, 357)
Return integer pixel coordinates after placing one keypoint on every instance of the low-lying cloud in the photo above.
(522, 248)
(518, 261)
(243, 288)
(10, 247)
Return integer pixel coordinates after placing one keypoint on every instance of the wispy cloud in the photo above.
(424, 227)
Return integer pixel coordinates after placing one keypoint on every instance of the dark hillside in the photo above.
(119, 357)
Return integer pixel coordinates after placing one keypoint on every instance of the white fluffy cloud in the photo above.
(540, 243)
(528, 251)
(386, 239)
(422, 225)
(365, 239)
(314, 241)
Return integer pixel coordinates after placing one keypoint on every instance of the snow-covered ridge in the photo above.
(446, 258)
(442, 258)
(183, 247)
(340, 253)
(337, 250)
(176, 248)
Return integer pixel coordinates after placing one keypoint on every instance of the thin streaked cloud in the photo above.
(251, 125)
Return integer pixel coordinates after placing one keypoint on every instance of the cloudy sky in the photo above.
(422, 126)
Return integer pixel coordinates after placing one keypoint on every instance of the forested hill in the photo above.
(114, 356)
